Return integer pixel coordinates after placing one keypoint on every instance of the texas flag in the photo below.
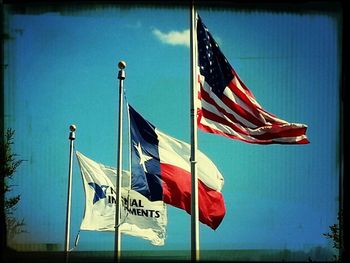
(161, 170)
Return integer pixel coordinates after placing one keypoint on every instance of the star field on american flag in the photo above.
(213, 64)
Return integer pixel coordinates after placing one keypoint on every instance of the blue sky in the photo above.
(62, 69)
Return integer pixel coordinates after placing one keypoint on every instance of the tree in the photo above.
(336, 237)
(9, 165)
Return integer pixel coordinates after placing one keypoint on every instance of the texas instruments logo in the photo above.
(100, 191)
(134, 206)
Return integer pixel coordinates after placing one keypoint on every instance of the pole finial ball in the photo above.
(72, 128)
(121, 64)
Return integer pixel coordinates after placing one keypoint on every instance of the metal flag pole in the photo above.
(72, 129)
(194, 181)
(121, 77)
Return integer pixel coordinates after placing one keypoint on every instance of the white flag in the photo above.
(139, 216)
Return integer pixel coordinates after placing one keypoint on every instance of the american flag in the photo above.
(227, 107)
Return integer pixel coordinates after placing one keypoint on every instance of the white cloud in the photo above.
(179, 38)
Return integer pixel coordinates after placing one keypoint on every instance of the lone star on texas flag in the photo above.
(143, 158)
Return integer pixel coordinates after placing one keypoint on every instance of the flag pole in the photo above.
(194, 177)
(72, 129)
(117, 242)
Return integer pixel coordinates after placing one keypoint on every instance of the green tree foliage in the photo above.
(336, 237)
(10, 163)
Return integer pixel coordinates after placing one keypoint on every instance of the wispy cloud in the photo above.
(218, 40)
(175, 38)
(136, 25)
